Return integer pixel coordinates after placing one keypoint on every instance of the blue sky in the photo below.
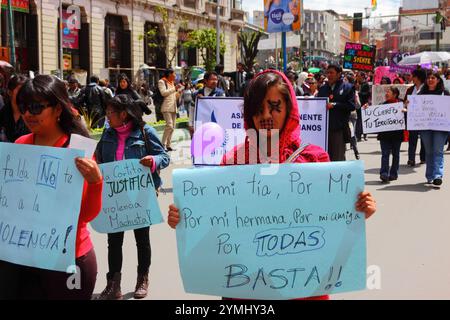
(385, 7)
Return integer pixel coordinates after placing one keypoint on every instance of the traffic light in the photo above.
(357, 21)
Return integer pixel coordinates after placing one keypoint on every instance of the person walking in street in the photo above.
(419, 77)
(128, 137)
(47, 112)
(92, 103)
(170, 93)
(363, 89)
(390, 143)
(270, 106)
(124, 87)
(341, 101)
(434, 140)
(238, 78)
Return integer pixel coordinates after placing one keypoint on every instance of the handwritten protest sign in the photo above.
(429, 112)
(40, 198)
(359, 56)
(293, 234)
(379, 92)
(382, 118)
(129, 198)
(227, 112)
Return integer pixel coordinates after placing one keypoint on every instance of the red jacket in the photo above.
(91, 203)
(289, 143)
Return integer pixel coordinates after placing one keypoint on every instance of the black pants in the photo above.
(115, 242)
(336, 145)
(27, 283)
(9, 280)
(412, 146)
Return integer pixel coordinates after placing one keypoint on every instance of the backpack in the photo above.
(157, 96)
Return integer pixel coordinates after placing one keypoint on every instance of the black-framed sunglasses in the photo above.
(34, 108)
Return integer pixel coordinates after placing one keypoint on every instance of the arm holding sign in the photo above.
(91, 203)
(157, 157)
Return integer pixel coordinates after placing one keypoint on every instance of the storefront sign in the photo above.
(70, 36)
(17, 5)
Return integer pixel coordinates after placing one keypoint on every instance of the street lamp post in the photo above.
(217, 34)
(11, 34)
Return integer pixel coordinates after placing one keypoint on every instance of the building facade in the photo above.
(417, 32)
(111, 35)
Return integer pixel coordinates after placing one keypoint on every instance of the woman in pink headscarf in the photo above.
(270, 108)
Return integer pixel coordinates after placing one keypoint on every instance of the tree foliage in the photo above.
(204, 41)
(249, 42)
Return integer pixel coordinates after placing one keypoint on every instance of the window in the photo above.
(237, 4)
(190, 3)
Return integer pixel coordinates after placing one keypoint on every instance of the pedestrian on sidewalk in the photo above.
(341, 101)
(46, 109)
(390, 143)
(270, 105)
(171, 94)
(434, 140)
(129, 137)
(419, 76)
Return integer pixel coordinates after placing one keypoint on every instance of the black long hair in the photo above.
(52, 90)
(256, 91)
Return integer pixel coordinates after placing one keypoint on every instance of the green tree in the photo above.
(249, 42)
(204, 41)
(159, 37)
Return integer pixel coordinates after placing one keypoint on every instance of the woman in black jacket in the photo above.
(433, 140)
(124, 87)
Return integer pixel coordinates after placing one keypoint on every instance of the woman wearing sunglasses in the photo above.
(45, 107)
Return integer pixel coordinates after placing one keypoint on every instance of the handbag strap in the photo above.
(144, 134)
(297, 153)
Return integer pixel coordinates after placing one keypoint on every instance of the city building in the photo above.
(417, 31)
(111, 35)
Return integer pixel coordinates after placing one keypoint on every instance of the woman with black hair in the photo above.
(11, 122)
(124, 87)
(128, 137)
(46, 110)
(390, 142)
(433, 140)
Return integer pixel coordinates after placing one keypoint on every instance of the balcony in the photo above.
(236, 12)
(210, 8)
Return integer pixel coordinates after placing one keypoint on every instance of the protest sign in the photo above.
(129, 198)
(382, 118)
(282, 16)
(379, 92)
(293, 234)
(359, 56)
(40, 199)
(429, 112)
(227, 113)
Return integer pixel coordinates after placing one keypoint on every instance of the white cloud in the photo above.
(385, 7)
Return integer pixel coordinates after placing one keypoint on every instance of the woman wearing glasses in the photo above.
(47, 112)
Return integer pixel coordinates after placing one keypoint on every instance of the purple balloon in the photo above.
(206, 138)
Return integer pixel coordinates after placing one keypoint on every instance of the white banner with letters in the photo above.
(228, 113)
(429, 112)
(382, 118)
